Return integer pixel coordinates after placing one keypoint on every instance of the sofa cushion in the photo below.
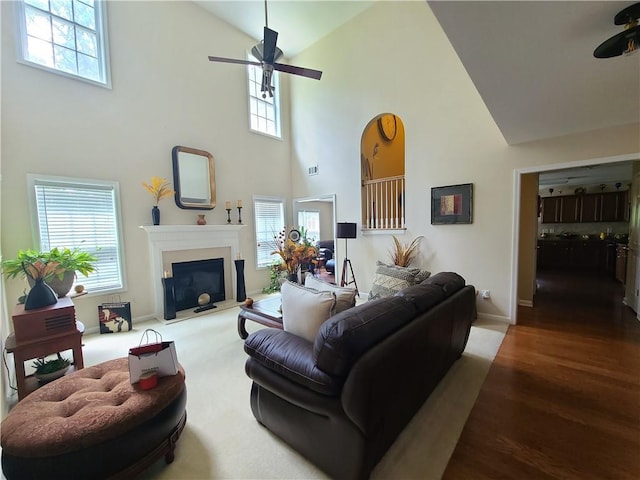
(390, 279)
(345, 297)
(305, 309)
(423, 296)
(346, 336)
(450, 282)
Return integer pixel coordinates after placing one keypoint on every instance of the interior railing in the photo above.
(383, 203)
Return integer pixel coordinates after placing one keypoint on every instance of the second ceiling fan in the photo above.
(267, 52)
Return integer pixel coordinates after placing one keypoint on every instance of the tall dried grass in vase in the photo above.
(403, 254)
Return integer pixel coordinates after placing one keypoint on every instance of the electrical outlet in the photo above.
(486, 294)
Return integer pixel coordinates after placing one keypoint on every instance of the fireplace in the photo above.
(170, 244)
(198, 283)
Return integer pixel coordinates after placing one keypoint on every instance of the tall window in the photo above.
(310, 220)
(65, 36)
(264, 112)
(269, 221)
(85, 214)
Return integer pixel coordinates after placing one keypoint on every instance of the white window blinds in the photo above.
(81, 214)
(269, 221)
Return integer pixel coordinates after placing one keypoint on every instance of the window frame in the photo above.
(263, 198)
(36, 179)
(102, 44)
(276, 99)
(304, 213)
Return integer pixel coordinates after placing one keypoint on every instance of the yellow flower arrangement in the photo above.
(293, 254)
(159, 188)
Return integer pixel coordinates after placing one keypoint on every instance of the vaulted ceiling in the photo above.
(531, 61)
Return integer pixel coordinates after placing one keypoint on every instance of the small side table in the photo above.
(265, 312)
(56, 341)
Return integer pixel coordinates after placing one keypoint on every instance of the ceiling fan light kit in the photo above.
(266, 52)
(625, 42)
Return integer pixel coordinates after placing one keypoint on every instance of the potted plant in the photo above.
(68, 262)
(49, 370)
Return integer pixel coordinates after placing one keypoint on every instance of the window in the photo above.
(64, 36)
(70, 212)
(310, 220)
(269, 221)
(264, 112)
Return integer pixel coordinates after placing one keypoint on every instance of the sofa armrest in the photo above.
(292, 357)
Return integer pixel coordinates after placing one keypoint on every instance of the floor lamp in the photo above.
(347, 230)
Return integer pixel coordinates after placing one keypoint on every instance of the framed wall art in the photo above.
(452, 204)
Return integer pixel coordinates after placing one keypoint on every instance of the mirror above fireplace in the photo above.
(194, 178)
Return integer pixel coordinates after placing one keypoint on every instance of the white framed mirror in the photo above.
(193, 178)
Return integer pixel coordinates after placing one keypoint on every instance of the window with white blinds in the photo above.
(269, 222)
(84, 214)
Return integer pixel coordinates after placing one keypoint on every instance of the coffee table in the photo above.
(265, 312)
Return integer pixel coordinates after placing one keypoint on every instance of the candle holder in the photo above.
(239, 215)
(228, 215)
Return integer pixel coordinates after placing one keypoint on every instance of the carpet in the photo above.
(222, 439)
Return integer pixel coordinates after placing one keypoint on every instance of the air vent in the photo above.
(313, 170)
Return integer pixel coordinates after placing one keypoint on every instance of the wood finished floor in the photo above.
(562, 398)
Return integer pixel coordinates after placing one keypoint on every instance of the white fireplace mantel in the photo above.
(164, 238)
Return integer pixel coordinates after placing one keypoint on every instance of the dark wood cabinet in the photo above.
(594, 207)
(621, 263)
(589, 208)
(551, 209)
(574, 254)
(570, 209)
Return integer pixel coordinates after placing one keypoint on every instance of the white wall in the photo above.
(394, 57)
(165, 93)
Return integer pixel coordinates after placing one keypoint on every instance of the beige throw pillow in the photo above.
(345, 297)
(305, 309)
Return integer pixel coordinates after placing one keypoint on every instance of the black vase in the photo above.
(155, 215)
(241, 293)
(41, 295)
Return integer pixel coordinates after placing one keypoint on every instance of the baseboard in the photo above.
(525, 303)
(492, 317)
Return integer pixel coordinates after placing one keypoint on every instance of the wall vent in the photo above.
(313, 170)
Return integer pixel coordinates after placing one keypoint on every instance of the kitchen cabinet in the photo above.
(594, 207)
(573, 254)
(621, 263)
(570, 209)
(550, 209)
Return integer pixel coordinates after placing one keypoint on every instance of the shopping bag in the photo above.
(115, 316)
(152, 355)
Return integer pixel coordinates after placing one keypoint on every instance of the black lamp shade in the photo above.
(346, 230)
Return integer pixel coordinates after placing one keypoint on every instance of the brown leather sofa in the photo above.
(342, 400)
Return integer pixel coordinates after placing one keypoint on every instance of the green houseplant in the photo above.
(68, 261)
(48, 370)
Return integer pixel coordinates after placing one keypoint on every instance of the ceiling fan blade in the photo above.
(256, 51)
(304, 72)
(618, 44)
(269, 45)
(233, 60)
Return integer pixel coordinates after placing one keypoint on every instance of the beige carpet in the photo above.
(223, 440)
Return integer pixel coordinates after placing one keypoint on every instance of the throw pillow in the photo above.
(390, 279)
(422, 276)
(305, 309)
(345, 297)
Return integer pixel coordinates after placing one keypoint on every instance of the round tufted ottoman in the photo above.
(93, 424)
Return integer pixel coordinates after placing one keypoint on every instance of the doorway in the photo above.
(568, 177)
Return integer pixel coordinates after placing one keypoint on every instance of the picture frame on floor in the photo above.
(452, 204)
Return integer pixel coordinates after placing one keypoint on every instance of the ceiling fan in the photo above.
(266, 52)
(625, 42)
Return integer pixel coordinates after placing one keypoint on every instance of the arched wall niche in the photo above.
(382, 156)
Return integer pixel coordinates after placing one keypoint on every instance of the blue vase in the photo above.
(155, 215)
(41, 295)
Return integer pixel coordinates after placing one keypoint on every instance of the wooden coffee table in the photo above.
(265, 312)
